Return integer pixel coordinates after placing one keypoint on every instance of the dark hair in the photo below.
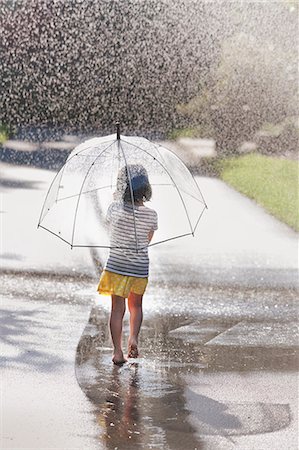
(136, 175)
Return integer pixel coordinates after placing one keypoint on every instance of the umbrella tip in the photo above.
(117, 130)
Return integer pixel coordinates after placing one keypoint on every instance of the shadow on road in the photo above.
(20, 334)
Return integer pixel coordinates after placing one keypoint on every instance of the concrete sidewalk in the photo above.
(24, 247)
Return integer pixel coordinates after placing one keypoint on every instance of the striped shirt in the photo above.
(129, 231)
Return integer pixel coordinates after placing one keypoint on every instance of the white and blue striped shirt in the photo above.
(129, 231)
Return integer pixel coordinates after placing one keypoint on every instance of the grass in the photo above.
(271, 182)
(4, 133)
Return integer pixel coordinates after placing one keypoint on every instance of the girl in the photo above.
(131, 227)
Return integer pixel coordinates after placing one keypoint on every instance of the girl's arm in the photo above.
(150, 236)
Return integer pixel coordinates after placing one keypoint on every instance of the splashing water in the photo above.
(223, 68)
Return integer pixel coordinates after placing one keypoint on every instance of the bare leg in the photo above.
(136, 316)
(118, 308)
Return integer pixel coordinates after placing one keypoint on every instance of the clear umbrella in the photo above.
(108, 170)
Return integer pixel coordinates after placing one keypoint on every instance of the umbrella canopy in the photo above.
(111, 170)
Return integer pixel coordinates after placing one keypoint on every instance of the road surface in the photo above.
(218, 343)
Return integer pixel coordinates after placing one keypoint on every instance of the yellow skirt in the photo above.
(121, 285)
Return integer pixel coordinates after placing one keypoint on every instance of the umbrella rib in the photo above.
(174, 154)
(57, 235)
(159, 145)
(55, 177)
(185, 192)
(77, 206)
(171, 239)
(128, 248)
(85, 192)
(110, 186)
(86, 148)
(179, 195)
(200, 217)
(76, 154)
(202, 200)
(131, 191)
(142, 149)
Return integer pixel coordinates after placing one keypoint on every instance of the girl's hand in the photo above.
(150, 236)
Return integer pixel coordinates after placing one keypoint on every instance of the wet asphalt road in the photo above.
(207, 377)
(217, 370)
(218, 364)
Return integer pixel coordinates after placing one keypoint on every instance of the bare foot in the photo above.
(132, 349)
(118, 358)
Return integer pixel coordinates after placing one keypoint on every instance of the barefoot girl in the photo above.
(131, 228)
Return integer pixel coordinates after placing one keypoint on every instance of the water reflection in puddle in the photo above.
(158, 400)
